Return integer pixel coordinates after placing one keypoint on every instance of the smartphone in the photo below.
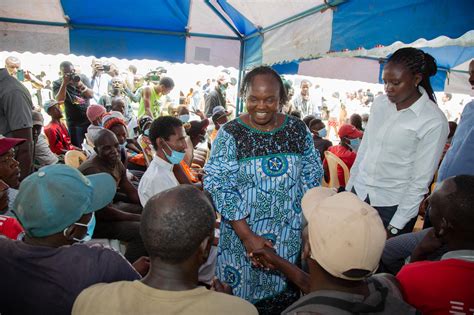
(20, 75)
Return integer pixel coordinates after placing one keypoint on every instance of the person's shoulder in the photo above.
(231, 128)
(412, 271)
(296, 123)
(90, 167)
(104, 258)
(96, 297)
(433, 110)
(232, 304)
(380, 101)
(57, 83)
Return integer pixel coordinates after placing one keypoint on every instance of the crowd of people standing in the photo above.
(206, 206)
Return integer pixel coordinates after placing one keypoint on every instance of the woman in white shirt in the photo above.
(402, 143)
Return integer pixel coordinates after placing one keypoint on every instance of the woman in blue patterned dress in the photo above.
(261, 165)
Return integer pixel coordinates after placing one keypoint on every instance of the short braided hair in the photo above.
(263, 70)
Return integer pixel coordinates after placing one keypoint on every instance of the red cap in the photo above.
(10, 227)
(349, 131)
(7, 143)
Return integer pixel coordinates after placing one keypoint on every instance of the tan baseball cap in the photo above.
(346, 235)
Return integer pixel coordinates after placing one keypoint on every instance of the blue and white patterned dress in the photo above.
(260, 176)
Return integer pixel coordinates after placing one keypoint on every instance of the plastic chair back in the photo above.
(333, 162)
(147, 149)
(74, 158)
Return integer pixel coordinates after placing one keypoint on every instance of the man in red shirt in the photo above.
(345, 150)
(56, 131)
(445, 286)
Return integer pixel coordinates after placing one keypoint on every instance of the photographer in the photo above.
(100, 79)
(75, 91)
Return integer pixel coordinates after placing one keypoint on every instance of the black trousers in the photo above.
(124, 231)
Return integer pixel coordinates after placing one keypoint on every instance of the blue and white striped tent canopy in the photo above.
(238, 33)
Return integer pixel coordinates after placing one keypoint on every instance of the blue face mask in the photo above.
(322, 133)
(123, 146)
(146, 132)
(354, 143)
(184, 118)
(90, 230)
(175, 157)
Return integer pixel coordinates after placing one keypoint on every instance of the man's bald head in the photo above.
(106, 146)
(12, 64)
(104, 136)
(452, 210)
(175, 222)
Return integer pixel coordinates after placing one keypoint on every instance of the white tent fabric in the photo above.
(234, 33)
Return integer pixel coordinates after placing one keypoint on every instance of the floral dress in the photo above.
(261, 177)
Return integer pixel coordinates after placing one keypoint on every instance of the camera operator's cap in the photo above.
(48, 104)
(8, 143)
(56, 196)
(346, 235)
(350, 132)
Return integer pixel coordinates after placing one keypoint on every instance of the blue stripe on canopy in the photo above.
(368, 23)
(253, 52)
(450, 56)
(244, 26)
(287, 68)
(127, 45)
(167, 15)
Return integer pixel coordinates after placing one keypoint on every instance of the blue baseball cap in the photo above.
(57, 196)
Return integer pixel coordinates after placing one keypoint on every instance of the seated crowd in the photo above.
(123, 204)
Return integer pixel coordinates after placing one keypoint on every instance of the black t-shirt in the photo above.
(75, 104)
(47, 280)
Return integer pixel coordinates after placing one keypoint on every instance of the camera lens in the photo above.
(76, 78)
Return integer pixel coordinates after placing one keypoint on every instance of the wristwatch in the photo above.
(392, 230)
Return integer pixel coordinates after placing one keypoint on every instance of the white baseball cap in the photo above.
(346, 235)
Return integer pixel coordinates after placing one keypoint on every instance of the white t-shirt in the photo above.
(158, 177)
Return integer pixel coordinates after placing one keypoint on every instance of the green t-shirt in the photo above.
(154, 103)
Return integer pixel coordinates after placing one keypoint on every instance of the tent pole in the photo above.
(240, 104)
(33, 22)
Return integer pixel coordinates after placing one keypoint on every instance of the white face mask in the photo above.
(90, 230)
(184, 118)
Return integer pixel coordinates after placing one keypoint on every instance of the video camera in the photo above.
(99, 66)
(74, 77)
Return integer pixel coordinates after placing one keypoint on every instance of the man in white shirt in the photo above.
(304, 103)
(169, 140)
(100, 79)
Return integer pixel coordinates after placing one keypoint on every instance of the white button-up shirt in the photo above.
(399, 154)
(158, 177)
